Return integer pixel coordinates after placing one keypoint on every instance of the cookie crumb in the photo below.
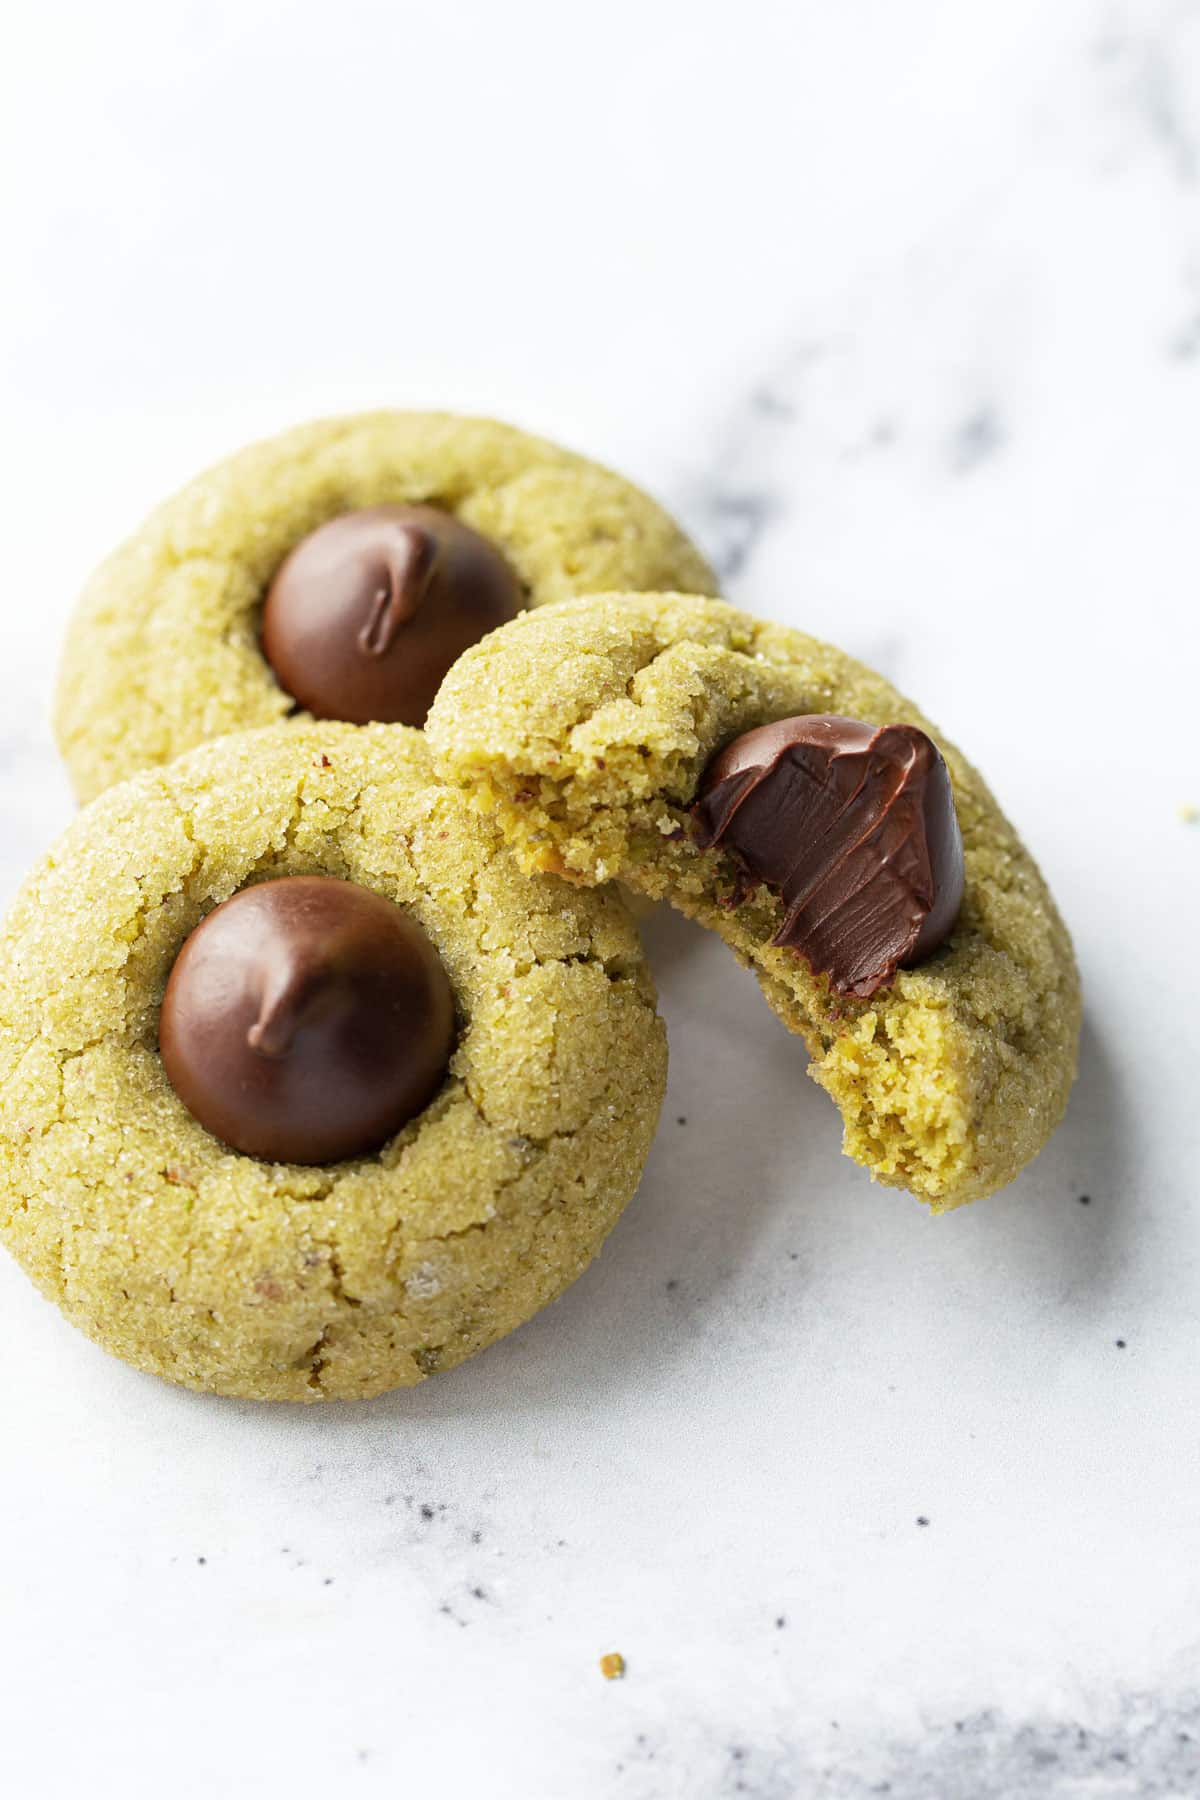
(1189, 812)
(612, 1666)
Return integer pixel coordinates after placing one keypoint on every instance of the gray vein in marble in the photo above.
(1183, 345)
(977, 437)
(737, 495)
(1160, 107)
(1147, 64)
(882, 435)
(1150, 1750)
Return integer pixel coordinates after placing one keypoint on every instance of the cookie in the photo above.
(302, 1280)
(166, 648)
(587, 728)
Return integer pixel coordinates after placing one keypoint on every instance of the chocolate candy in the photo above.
(854, 826)
(369, 611)
(306, 1020)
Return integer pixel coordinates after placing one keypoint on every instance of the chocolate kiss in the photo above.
(367, 613)
(854, 827)
(306, 1020)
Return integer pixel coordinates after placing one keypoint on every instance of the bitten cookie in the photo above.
(309, 1280)
(587, 728)
(337, 570)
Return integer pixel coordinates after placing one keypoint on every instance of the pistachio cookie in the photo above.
(887, 907)
(336, 571)
(395, 1097)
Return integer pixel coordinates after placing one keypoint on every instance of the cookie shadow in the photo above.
(1066, 1226)
(745, 1142)
(747, 1164)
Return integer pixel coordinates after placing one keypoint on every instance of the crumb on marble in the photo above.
(1189, 812)
(612, 1666)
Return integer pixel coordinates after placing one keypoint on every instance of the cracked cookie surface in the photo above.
(163, 651)
(285, 1282)
(584, 728)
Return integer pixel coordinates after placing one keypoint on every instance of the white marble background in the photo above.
(899, 306)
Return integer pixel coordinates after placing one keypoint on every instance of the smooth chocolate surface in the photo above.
(854, 826)
(306, 1020)
(369, 611)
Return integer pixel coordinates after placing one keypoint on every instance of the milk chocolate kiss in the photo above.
(854, 827)
(367, 614)
(306, 1020)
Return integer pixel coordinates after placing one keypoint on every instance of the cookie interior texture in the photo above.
(163, 651)
(585, 728)
(284, 1282)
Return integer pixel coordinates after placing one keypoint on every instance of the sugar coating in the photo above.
(584, 728)
(162, 653)
(283, 1282)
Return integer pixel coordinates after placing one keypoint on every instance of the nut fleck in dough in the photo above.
(277, 1281)
(163, 651)
(586, 727)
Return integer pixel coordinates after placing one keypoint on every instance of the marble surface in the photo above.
(899, 306)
